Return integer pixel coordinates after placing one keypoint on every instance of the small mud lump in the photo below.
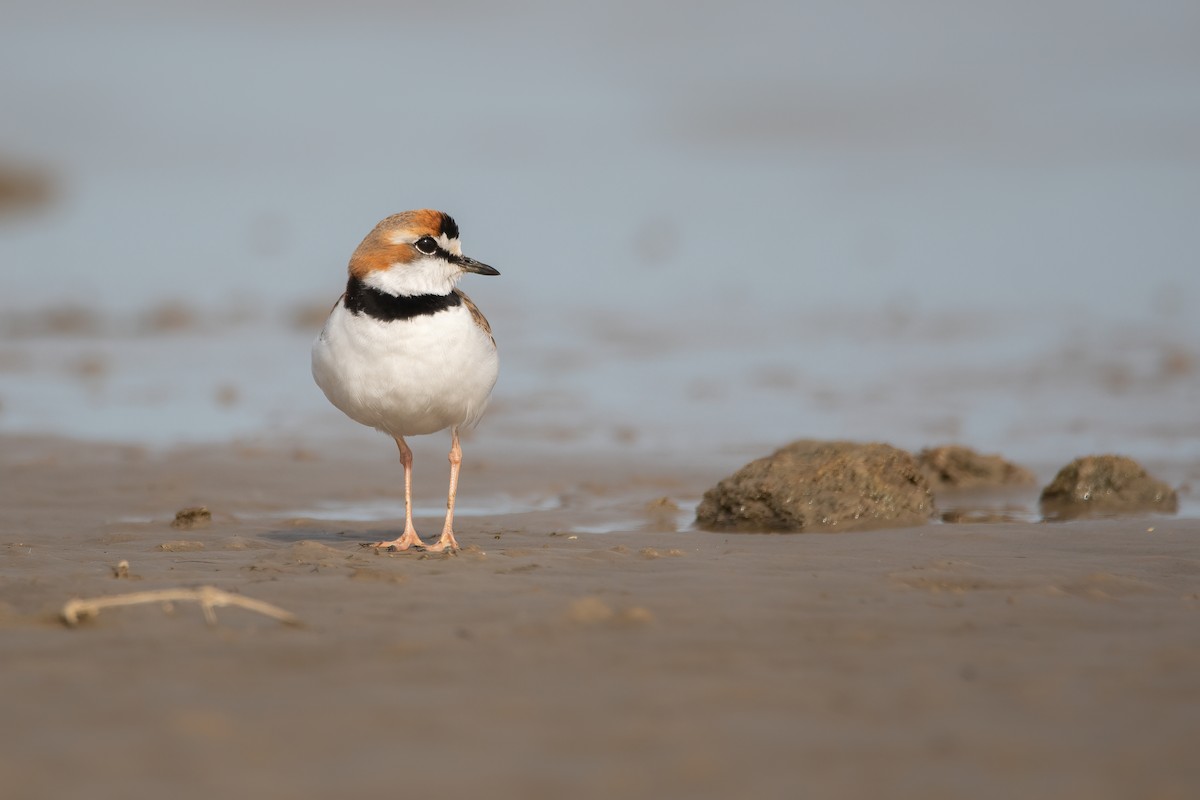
(957, 467)
(813, 485)
(1105, 486)
(193, 517)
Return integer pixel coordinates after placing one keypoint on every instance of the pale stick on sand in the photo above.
(209, 597)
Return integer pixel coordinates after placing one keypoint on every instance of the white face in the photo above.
(423, 275)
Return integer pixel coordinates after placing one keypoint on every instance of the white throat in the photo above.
(424, 276)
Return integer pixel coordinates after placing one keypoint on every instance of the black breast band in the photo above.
(363, 299)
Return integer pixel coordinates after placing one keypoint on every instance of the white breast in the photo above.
(407, 377)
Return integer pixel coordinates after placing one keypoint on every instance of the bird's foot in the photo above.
(444, 544)
(408, 539)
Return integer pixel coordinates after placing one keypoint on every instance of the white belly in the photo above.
(407, 377)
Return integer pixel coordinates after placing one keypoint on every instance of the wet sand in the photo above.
(1016, 659)
(716, 238)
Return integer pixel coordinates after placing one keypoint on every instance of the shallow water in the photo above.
(718, 229)
(393, 509)
(1036, 401)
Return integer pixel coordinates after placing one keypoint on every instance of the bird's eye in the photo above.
(427, 245)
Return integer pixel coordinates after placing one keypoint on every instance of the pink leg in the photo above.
(409, 538)
(447, 540)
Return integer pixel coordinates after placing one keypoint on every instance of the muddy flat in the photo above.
(999, 660)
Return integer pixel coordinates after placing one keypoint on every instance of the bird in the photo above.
(405, 351)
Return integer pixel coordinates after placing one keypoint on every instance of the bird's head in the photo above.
(414, 253)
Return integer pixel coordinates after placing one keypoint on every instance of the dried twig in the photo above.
(209, 597)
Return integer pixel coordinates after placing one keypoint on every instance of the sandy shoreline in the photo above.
(943, 661)
(721, 229)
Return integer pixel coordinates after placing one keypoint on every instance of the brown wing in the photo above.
(476, 315)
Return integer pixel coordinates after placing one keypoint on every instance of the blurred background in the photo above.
(719, 226)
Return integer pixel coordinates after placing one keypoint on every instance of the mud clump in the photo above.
(661, 515)
(1105, 486)
(813, 485)
(194, 517)
(957, 467)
